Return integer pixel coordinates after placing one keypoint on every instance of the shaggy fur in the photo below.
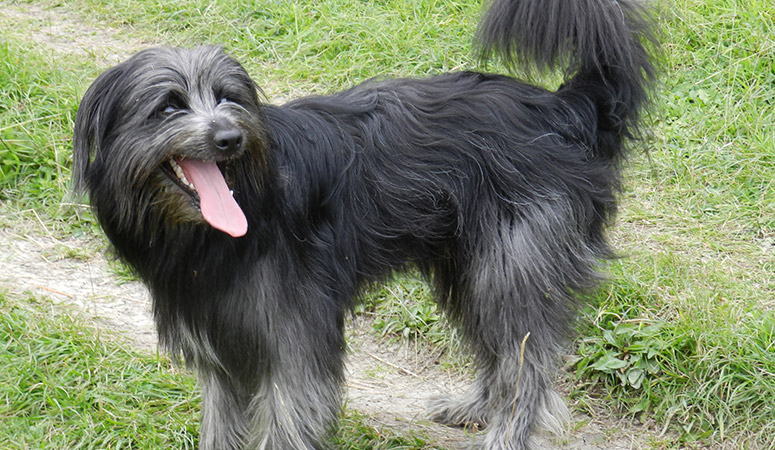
(498, 191)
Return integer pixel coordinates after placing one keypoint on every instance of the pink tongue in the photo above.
(218, 206)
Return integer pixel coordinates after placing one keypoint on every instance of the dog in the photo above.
(256, 227)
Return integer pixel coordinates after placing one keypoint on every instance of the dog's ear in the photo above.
(96, 115)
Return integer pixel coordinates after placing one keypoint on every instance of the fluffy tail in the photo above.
(602, 46)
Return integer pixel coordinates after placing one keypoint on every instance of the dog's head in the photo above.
(161, 133)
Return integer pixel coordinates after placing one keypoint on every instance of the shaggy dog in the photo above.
(257, 226)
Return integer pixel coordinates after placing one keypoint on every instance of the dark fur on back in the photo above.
(497, 190)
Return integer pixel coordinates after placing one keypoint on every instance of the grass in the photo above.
(354, 434)
(37, 107)
(63, 385)
(403, 311)
(683, 333)
(310, 46)
(708, 382)
(684, 330)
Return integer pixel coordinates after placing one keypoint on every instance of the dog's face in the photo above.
(162, 131)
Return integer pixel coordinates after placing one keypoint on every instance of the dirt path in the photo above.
(61, 31)
(388, 384)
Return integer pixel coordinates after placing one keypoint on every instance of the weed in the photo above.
(353, 434)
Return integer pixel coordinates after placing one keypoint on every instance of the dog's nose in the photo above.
(228, 140)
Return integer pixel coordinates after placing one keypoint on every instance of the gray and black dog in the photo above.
(256, 227)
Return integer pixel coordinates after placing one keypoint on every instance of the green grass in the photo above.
(684, 331)
(403, 311)
(37, 107)
(354, 434)
(310, 46)
(64, 386)
(682, 334)
(704, 370)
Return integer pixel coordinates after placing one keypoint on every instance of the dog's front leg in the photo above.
(294, 410)
(297, 399)
(294, 406)
(224, 419)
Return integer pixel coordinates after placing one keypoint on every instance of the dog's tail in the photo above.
(603, 46)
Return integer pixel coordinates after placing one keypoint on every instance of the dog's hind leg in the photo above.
(475, 408)
(509, 398)
(469, 410)
(521, 399)
(513, 298)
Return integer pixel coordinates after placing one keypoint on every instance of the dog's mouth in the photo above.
(205, 184)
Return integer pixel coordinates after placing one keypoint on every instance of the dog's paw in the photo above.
(458, 412)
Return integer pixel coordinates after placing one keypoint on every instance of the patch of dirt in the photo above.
(39, 264)
(389, 384)
(62, 31)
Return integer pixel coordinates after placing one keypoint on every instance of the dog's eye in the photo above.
(223, 100)
(171, 105)
(168, 110)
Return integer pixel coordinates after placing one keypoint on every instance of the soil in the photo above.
(390, 384)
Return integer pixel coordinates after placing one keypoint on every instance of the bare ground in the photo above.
(390, 384)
